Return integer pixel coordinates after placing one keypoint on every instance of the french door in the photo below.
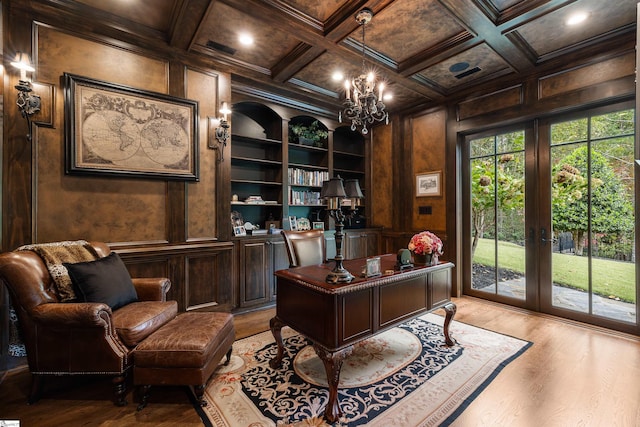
(550, 216)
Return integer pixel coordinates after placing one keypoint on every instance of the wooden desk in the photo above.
(335, 316)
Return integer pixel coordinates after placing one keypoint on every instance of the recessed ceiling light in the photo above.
(337, 76)
(245, 39)
(577, 18)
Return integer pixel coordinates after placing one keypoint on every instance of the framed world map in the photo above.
(115, 129)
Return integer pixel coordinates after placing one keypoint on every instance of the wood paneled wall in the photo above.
(161, 228)
(430, 140)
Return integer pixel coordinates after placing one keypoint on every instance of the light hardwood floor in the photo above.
(573, 375)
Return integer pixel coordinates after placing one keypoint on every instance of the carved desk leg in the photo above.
(276, 329)
(332, 364)
(450, 308)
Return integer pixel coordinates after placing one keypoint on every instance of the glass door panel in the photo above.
(497, 215)
(592, 216)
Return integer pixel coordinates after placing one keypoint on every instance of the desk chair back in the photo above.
(305, 247)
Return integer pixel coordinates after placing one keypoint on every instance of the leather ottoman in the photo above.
(185, 351)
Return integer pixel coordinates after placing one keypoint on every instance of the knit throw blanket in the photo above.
(57, 253)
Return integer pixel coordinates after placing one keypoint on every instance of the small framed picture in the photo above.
(373, 267)
(239, 230)
(318, 225)
(429, 184)
(293, 223)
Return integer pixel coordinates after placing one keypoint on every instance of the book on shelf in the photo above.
(305, 177)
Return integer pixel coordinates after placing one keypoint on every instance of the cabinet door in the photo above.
(360, 244)
(353, 245)
(371, 243)
(330, 245)
(254, 268)
(279, 261)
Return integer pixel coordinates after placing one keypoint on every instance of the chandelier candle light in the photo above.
(361, 106)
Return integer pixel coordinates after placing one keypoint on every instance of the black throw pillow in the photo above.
(103, 280)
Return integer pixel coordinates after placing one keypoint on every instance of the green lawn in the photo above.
(610, 278)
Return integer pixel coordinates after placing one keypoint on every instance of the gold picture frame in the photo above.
(126, 132)
(429, 184)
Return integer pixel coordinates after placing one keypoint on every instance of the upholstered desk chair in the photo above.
(91, 338)
(305, 247)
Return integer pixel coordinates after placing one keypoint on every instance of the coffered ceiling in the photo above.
(426, 50)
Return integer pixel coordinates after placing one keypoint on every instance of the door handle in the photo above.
(543, 236)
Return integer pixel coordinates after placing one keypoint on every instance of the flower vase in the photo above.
(422, 259)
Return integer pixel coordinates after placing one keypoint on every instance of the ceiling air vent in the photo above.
(222, 48)
(467, 73)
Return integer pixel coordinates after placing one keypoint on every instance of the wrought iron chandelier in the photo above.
(361, 106)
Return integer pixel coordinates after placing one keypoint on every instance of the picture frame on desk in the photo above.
(372, 268)
(239, 231)
(318, 225)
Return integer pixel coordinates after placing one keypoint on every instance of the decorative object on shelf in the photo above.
(254, 200)
(334, 191)
(426, 247)
(126, 132)
(429, 184)
(304, 224)
(272, 224)
(236, 219)
(362, 107)
(309, 135)
(239, 231)
(318, 225)
(220, 127)
(28, 102)
(292, 224)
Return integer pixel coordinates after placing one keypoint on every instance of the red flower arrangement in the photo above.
(425, 243)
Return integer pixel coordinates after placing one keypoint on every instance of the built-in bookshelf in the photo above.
(274, 175)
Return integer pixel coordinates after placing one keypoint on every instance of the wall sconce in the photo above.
(334, 191)
(221, 131)
(28, 102)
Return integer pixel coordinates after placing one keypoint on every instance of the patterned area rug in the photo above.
(406, 376)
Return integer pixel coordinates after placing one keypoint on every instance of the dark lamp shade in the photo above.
(352, 189)
(323, 191)
(334, 188)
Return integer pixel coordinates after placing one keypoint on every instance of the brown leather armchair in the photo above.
(304, 247)
(71, 338)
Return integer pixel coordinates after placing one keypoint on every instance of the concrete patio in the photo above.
(572, 299)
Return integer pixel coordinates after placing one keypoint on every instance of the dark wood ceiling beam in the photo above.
(437, 54)
(273, 17)
(188, 19)
(73, 14)
(524, 12)
(478, 23)
(296, 60)
(342, 23)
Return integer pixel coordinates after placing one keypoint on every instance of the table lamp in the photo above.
(334, 191)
